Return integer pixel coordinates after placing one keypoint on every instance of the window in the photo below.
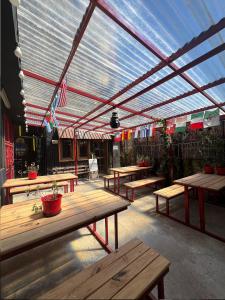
(83, 149)
(66, 152)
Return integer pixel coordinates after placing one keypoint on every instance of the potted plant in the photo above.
(140, 160)
(52, 203)
(32, 171)
(220, 169)
(208, 167)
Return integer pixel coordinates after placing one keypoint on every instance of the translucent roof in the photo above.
(128, 56)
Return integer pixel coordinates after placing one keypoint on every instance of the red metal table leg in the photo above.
(157, 203)
(66, 189)
(106, 231)
(94, 226)
(187, 205)
(167, 207)
(114, 188)
(118, 182)
(132, 195)
(72, 185)
(104, 183)
(116, 231)
(8, 197)
(201, 209)
(76, 181)
(127, 193)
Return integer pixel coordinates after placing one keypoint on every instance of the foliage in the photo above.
(32, 167)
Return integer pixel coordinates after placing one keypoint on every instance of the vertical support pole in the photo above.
(116, 231)
(201, 209)
(75, 154)
(161, 294)
(187, 205)
(106, 231)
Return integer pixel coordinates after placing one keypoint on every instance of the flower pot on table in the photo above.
(51, 204)
(208, 169)
(32, 175)
(220, 171)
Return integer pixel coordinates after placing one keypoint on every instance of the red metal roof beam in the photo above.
(77, 38)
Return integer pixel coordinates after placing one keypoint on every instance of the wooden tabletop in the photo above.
(20, 227)
(129, 169)
(125, 274)
(207, 181)
(9, 183)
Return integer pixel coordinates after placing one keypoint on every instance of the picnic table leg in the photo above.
(8, 197)
(94, 226)
(66, 189)
(157, 203)
(116, 230)
(106, 231)
(127, 193)
(104, 183)
(114, 188)
(118, 182)
(167, 207)
(201, 208)
(161, 294)
(187, 205)
(72, 185)
(132, 195)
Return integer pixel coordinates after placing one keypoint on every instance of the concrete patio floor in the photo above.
(197, 260)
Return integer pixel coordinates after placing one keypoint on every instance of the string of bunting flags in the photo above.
(194, 121)
(60, 100)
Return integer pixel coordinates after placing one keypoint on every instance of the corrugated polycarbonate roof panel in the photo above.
(46, 32)
(108, 58)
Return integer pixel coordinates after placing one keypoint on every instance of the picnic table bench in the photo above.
(42, 186)
(168, 193)
(141, 183)
(131, 272)
(110, 177)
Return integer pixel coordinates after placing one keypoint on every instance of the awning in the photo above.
(82, 134)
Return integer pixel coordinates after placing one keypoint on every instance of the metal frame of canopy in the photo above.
(87, 123)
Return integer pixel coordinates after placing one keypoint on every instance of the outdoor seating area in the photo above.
(112, 149)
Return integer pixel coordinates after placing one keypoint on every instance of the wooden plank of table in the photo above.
(10, 183)
(124, 276)
(93, 283)
(130, 169)
(74, 209)
(64, 289)
(143, 182)
(25, 217)
(62, 225)
(144, 280)
(206, 181)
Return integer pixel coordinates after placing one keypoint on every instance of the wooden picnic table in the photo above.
(122, 170)
(18, 182)
(201, 182)
(22, 229)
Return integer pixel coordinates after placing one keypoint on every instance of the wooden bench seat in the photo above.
(168, 193)
(131, 272)
(42, 186)
(122, 175)
(141, 183)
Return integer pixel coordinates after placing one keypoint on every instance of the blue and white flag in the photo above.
(47, 126)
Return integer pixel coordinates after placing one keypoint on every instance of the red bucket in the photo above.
(32, 175)
(51, 206)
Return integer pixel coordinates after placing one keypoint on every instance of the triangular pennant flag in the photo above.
(136, 132)
(211, 118)
(117, 137)
(197, 121)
